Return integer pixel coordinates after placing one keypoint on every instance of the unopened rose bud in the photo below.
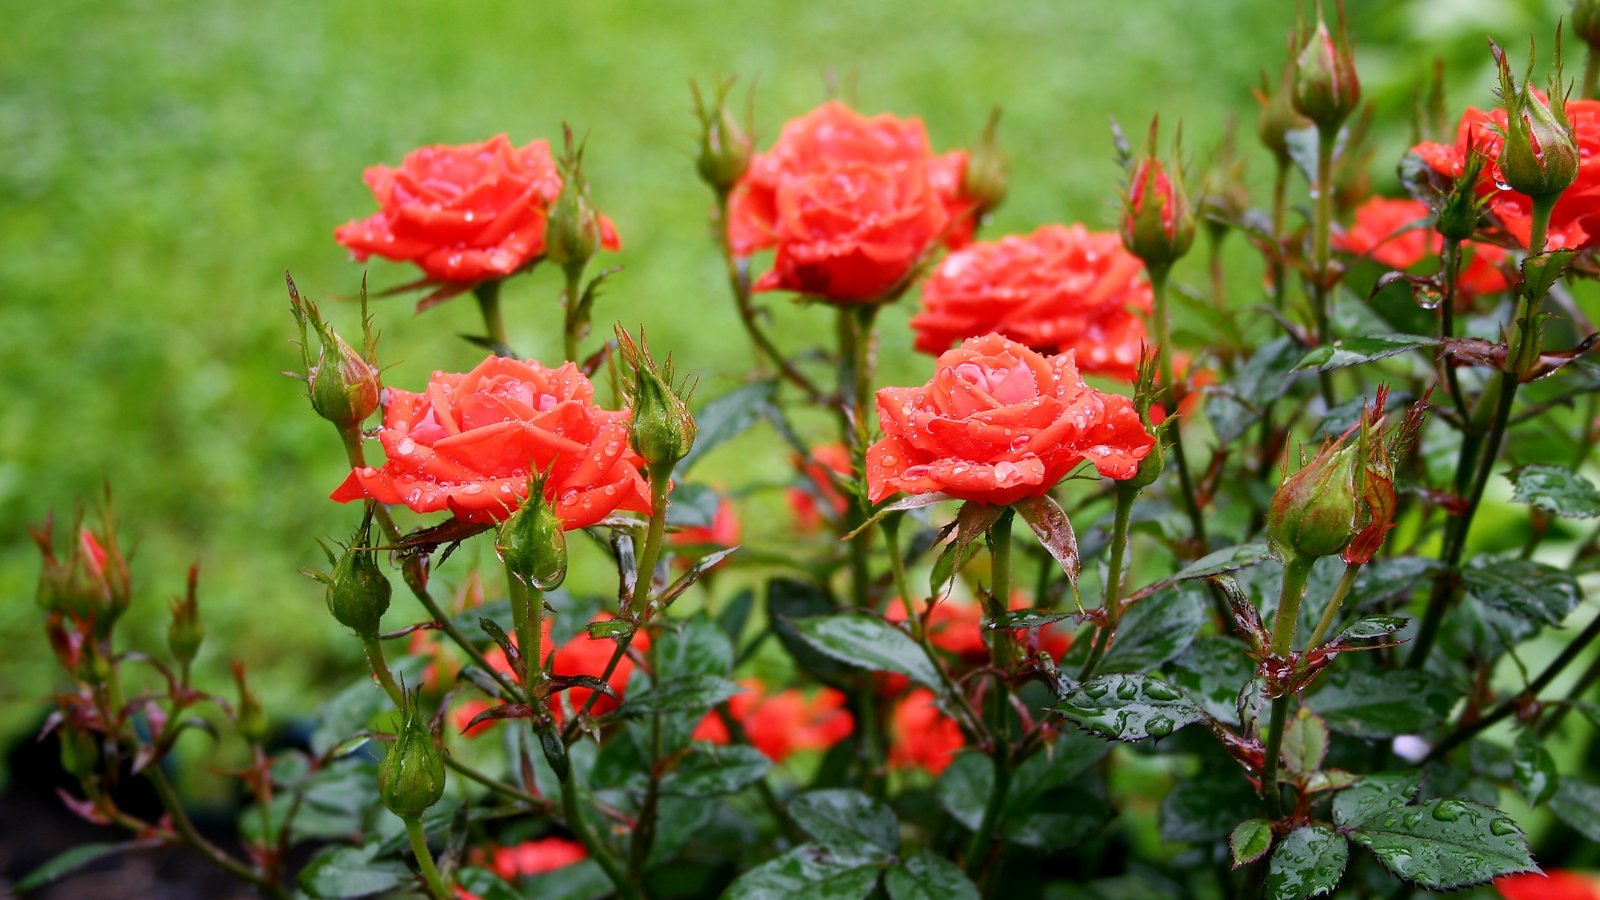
(250, 718)
(1316, 511)
(342, 383)
(533, 542)
(1326, 89)
(1461, 207)
(573, 234)
(988, 174)
(92, 584)
(1157, 221)
(1277, 117)
(725, 147)
(1540, 155)
(411, 776)
(662, 430)
(185, 632)
(358, 593)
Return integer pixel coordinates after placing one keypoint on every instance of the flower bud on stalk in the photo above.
(1316, 511)
(92, 586)
(662, 430)
(248, 715)
(574, 232)
(185, 632)
(358, 593)
(725, 147)
(1277, 117)
(342, 384)
(1326, 89)
(988, 175)
(532, 543)
(1157, 221)
(411, 777)
(1461, 207)
(1540, 156)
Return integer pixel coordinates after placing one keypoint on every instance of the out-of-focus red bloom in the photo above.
(464, 213)
(583, 655)
(1191, 400)
(825, 458)
(534, 857)
(1556, 884)
(957, 628)
(997, 423)
(1575, 221)
(723, 531)
(782, 723)
(922, 736)
(1385, 231)
(1059, 288)
(470, 442)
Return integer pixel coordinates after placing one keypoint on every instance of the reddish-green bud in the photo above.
(1461, 207)
(1540, 155)
(1326, 89)
(411, 776)
(532, 543)
(358, 592)
(248, 716)
(91, 584)
(343, 384)
(662, 430)
(1316, 511)
(573, 234)
(988, 174)
(1157, 221)
(725, 147)
(185, 632)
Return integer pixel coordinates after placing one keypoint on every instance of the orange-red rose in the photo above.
(1575, 221)
(921, 735)
(818, 470)
(1554, 884)
(1060, 288)
(463, 213)
(782, 723)
(536, 857)
(583, 655)
(851, 203)
(1386, 230)
(997, 423)
(470, 441)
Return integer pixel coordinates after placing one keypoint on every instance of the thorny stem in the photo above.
(1112, 604)
(1295, 572)
(579, 826)
(1322, 231)
(999, 699)
(527, 620)
(660, 482)
(419, 847)
(1330, 613)
(185, 828)
(891, 535)
(488, 294)
(380, 668)
(1447, 328)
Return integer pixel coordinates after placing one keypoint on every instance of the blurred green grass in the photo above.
(167, 160)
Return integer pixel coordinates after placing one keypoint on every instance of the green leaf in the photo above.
(811, 871)
(727, 417)
(790, 601)
(486, 885)
(352, 872)
(1250, 841)
(1309, 863)
(928, 877)
(69, 861)
(1156, 629)
(1533, 768)
(1374, 794)
(709, 771)
(1370, 628)
(1382, 704)
(844, 818)
(736, 615)
(692, 693)
(1258, 383)
(1211, 672)
(1522, 587)
(1577, 803)
(1561, 491)
(1542, 270)
(1445, 844)
(1045, 807)
(1358, 350)
(1128, 707)
(1027, 618)
(1205, 811)
(866, 641)
(692, 646)
(1305, 743)
(1229, 559)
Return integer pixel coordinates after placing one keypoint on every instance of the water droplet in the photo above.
(889, 459)
(1006, 474)
(1447, 810)
(407, 447)
(1159, 726)
(1156, 690)
(472, 489)
(1096, 689)
(1502, 827)
(915, 472)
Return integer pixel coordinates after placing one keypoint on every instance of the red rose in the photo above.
(1575, 221)
(1552, 885)
(1060, 288)
(535, 857)
(921, 735)
(583, 655)
(463, 213)
(803, 499)
(957, 628)
(783, 723)
(469, 443)
(1383, 231)
(997, 423)
(723, 531)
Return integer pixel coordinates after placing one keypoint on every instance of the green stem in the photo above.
(191, 836)
(488, 294)
(574, 324)
(1585, 681)
(599, 852)
(539, 804)
(999, 700)
(1447, 327)
(527, 620)
(1112, 603)
(380, 668)
(1295, 573)
(1330, 613)
(1169, 395)
(739, 283)
(1591, 75)
(419, 847)
(660, 482)
(1322, 246)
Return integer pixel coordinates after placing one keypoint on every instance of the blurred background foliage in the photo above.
(166, 160)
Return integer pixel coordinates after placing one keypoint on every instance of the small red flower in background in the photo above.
(534, 857)
(1059, 288)
(1575, 221)
(724, 530)
(464, 213)
(957, 628)
(824, 459)
(469, 443)
(1552, 885)
(583, 655)
(1382, 231)
(997, 423)
(782, 723)
(851, 203)
(921, 736)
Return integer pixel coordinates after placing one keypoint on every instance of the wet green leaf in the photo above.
(1305, 743)
(352, 872)
(1156, 629)
(1250, 841)
(1370, 628)
(709, 771)
(689, 694)
(928, 877)
(1229, 559)
(1382, 704)
(1211, 672)
(1358, 350)
(1577, 803)
(1558, 490)
(70, 861)
(841, 817)
(727, 417)
(1308, 863)
(866, 641)
(810, 870)
(1205, 810)
(1533, 768)
(1128, 707)
(1372, 795)
(1445, 844)
(1522, 587)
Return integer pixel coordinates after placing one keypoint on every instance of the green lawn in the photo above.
(167, 160)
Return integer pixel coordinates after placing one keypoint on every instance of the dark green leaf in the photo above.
(352, 872)
(1382, 704)
(1250, 841)
(1044, 807)
(789, 601)
(1028, 618)
(1230, 559)
(693, 505)
(928, 877)
(1309, 863)
(709, 771)
(1561, 491)
(736, 615)
(1522, 587)
(1358, 350)
(693, 694)
(1259, 382)
(1372, 795)
(692, 646)
(1541, 271)
(1156, 629)
(67, 862)
(811, 871)
(727, 417)
(1211, 672)
(1577, 803)
(1445, 844)
(848, 819)
(697, 571)
(1369, 628)
(1305, 743)
(1205, 811)
(486, 885)
(1128, 707)
(866, 641)
(353, 709)
(1533, 768)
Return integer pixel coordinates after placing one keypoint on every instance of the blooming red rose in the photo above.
(1387, 231)
(816, 469)
(997, 423)
(1060, 288)
(470, 442)
(463, 213)
(921, 735)
(535, 857)
(957, 628)
(782, 723)
(583, 655)
(723, 531)
(1575, 221)
(1552, 885)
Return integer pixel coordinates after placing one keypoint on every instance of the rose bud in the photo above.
(988, 174)
(1326, 89)
(92, 585)
(1277, 116)
(185, 632)
(1461, 207)
(1540, 155)
(411, 776)
(1316, 511)
(725, 147)
(358, 593)
(575, 232)
(1382, 453)
(250, 718)
(533, 543)
(662, 430)
(1157, 221)
(342, 384)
